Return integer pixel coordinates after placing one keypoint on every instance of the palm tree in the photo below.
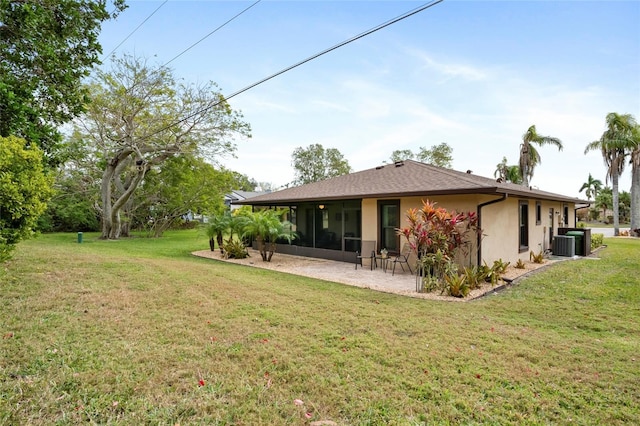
(267, 227)
(501, 170)
(216, 227)
(635, 183)
(507, 173)
(529, 157)
(615, 144)
(592, 186)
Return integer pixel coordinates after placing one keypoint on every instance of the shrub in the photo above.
(437, 236)
(429, 284)
(519, 264)
(475, 276)
(500, 266)
(536, 258)
(491, 275)
(596, 240)
(235, 249)
(456, 285)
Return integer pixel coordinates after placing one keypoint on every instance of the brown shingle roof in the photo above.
(402, 179)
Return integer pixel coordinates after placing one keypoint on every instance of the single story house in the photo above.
(333, 216)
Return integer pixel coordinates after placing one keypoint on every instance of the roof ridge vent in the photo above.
(379, 167)
(399, 163)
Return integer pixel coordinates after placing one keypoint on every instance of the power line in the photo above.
(304, 61)
(212, 32)
(136, 29)
(317, 55)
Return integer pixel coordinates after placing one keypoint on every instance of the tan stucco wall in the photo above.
(370, 219)
(500, 223)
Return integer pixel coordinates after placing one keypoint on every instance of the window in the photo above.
(538, 213)
(524, 226)
(565, 219)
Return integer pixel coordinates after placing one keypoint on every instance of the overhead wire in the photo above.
(136, 29)
(304, 61)
(212, 32)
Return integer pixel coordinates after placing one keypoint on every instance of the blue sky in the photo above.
(473, 74)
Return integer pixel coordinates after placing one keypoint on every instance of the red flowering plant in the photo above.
(438, 237)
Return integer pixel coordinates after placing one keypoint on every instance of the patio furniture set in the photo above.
(369, 252)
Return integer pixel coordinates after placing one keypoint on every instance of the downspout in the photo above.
(575, 215)
(480, 206)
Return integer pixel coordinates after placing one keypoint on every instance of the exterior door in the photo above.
(551, 213)
(389, 220)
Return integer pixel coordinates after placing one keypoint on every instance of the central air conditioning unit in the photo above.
(564, 245)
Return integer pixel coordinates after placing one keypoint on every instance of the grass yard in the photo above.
(139, 332)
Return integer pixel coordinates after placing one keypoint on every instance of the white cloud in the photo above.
(449, 70)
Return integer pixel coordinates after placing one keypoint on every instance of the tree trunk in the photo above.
(635, 200)
(525, 177)
(105, 193)
(220, 242)
(262, 248)
(524, 163)
(127, 213)
(111, 224)
(272, 249)
(616, 203)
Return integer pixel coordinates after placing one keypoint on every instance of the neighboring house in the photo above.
(236, 196)
(332, 217)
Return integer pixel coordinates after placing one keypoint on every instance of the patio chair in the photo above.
(401, 258)
(368, 251)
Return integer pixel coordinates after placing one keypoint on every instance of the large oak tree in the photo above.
(139, 117)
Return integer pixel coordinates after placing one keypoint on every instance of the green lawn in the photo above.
(139, 332)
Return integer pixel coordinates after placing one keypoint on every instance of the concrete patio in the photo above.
(401, 283)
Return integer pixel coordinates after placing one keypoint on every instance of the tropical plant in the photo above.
(604, 201)
(491, 273)
(235, 249)
(456, 285)
(624, 206)
(475, 276)
(529, 156)
(500, 266)
(215, 229)
(437, 236)
(508, 173)
(267, 226)
(520, 264)
(591, 187)
(437, 265)
(536, 258)
(615, 144)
